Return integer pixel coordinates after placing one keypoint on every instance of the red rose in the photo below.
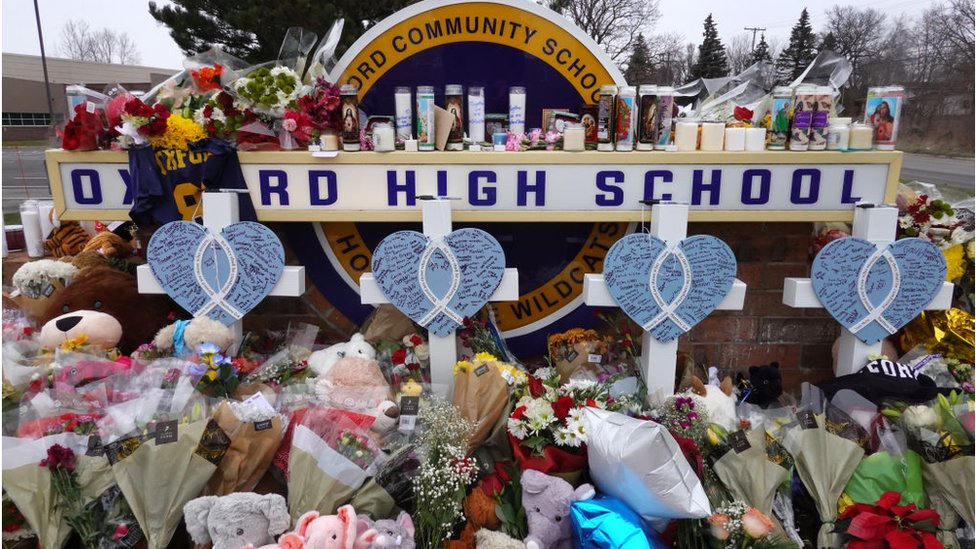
(413, 366)
(491, 485)
(416, 339)
(743, 114)
(591, 403)
(502, 472)
(536, 388)
(399, 356)
(562, 406)
(518, 413)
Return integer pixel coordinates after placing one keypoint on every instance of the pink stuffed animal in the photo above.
(336, 531)
(290, 540)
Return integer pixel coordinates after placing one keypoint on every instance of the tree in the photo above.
(800, 52)
(859, 34)
(639, 67)
(829, 42)
(79, 41)
(613, 24)
(738, 53)
(712, 62)
(668, 58)
(761, 53)
(254, 30)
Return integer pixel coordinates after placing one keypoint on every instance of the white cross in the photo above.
(876, 224)
(669, 222)
(443, 349)
(221, 209)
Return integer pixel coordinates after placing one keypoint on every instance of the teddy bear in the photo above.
(764, 386)
(546, 500)
(186, 336)
(236, 520)
(101, 330)
(719, 401)
(390, 534)
(338, 531)
(479, 510)
(115, 293)
(356, 384)
(322, 361)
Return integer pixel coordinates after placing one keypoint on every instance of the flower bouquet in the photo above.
(15, 527)
(140, 122)
(269, 90)
(86, 129)
(255, 431)
(738, 525)
(576, 349)
(391, 488)
(331, 456)
(406, 363)
(287, 363)
(751, 464)
(546, 429)
(481, 394)
(888, 525)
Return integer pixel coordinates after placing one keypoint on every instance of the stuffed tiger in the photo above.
(68, 239)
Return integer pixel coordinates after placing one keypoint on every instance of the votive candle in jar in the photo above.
(862, 137)
(686, 136)
(755, 139)
(349, 95)
(48, 222)
(735, 139)
(30, 218)
(839, 134)
(476, 114)
(330, 141)
(516, 110)
(712, 136)
(574, 137)
(404, 112)
(425, 118)
(384, 137)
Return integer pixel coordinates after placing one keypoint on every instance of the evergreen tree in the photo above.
(761, 53)
(829, 42)
(254, 30)
(639, 67)
(801, 50)
(712, 62)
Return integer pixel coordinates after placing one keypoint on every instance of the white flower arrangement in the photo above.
(270, 90)
(36, 278)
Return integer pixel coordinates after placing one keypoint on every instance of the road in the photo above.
(24, 175)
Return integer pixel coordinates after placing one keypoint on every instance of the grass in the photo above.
(34, 143)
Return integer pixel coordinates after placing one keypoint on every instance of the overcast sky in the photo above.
(157, 49)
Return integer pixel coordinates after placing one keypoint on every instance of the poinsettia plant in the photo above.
(888, 525)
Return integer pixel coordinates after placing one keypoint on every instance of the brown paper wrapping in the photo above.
(949, 333)
(953, 479)
(481, 399)
(248, 456)
(386, 323)
(570, 351)
(749, 475)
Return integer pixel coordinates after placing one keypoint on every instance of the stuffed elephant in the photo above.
(236, 520)
(546, 500)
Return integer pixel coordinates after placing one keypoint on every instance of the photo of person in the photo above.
(454, 108)
(781, 121)
(350, 119)
(881, 117)
(648, 129)
(589, 126)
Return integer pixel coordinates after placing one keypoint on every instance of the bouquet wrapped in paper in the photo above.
(751, 464)
(332, 454)
(481, 393)
(255, 431)
(163, 449)
(826, 448)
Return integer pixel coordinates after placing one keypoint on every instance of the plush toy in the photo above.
(109, 245)
(290, 540)
(719, 401)
(338, 531)
(357, 384)
(186, 336)
(36, 284)
(480, 512)
(114, 293)
(764, 387)
(236, 520)
(390, 534)
(67, 239)
(546, 500)
(322, 361)
(491, 539)
(101, 330)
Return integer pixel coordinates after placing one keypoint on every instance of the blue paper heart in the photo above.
(841, 269)
(437, 284)
(691, 281)
(222, 276)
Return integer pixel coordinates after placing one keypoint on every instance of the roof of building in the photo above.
(71, 71)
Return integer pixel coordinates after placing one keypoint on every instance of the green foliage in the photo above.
(711, 62)
(761, 53)
(639, 67)
(800, 52)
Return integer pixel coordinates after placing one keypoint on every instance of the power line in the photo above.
(754, 31)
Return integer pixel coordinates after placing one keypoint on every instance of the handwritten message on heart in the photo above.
(439, 282)
(221, 276)
(873, 291)
(668, 291)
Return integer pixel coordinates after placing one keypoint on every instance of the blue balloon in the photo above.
(608, 523)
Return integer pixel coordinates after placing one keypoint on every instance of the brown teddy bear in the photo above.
(116, 293)
(479, 509)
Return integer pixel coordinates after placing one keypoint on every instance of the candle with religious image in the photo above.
(665, 117)
(883, 112)
(404, 113)
(821, 116)
(625, 113)
(604, 121)
(804, 100)
(647, 118)
(779, 127)
(425, 118)
(454, 103)
(349, 106)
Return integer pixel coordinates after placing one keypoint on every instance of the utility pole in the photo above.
(47, 83)
(754, 31)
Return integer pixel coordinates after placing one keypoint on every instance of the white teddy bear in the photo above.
(322, 361)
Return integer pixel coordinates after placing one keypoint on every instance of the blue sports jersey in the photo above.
(168, 183)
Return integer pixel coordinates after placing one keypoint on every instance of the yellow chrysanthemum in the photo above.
(844, 502)
(955, 262)
(508, 371)
(463, 366)
(73, 344)
(179, 133)
(485, 357)
(212, 375)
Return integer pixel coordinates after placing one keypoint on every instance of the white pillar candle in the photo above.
(330, 142)
(3, 238)
(384, 139)
(48, 223)
(476, 114)
(30, 218)
(410, 145)
(712, 136)
(516, 109)
(862, 136)
(735, 139)
(404, 113)
(755, 139)
(574, 137)
(686, 136)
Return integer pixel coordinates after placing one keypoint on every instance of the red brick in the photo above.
(799, 330)
(774, 273)
(316, 300)
(342, 325)
(768, 303)
(725, 328)
(793, 378)
(750, 274)
(818, 357)
(741, 356)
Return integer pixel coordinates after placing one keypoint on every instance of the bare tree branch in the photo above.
(79, 41)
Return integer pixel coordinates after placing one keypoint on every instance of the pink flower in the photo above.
(120, 532)
(719, 524)
(289, 125)
(755, 524)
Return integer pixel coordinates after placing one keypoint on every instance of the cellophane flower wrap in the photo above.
(750, 463)
(269, 89)
(255, 430)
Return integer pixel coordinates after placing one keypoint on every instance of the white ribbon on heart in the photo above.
(440, 304)
(667, 309)
(216, 296)
(875, 313)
